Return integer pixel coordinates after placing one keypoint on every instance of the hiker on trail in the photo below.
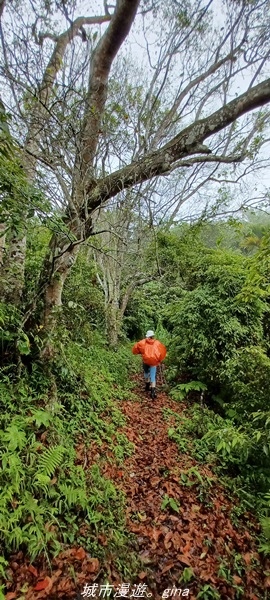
(153, 352)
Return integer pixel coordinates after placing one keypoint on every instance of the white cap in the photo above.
(149, 333)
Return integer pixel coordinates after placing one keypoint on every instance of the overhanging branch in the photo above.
(233, 158)
(186, 143)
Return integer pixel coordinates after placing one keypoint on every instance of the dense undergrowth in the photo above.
(234, 454)
(50, 496)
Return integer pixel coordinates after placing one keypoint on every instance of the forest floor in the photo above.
(180, 520)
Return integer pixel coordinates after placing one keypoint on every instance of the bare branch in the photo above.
(185, 143)
(44, 90)
(234, 158)
(72, 31)
(193, 83)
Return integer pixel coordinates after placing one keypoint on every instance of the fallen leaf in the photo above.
(237, 580)
(167, 542)
(80, 554)
(43, 584)
(33, 570)
(183, 559)
(187, 547)
(92, 565)
(145, 557)
(247, 558)
(142, 575)
(155, 481)
(102, 539)
(156, 533)
(176, 540)
(168, 567)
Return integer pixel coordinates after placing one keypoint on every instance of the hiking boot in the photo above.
(147, 386)
(153, 393)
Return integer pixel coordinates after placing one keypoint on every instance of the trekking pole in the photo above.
(161, 374)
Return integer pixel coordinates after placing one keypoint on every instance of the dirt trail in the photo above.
(195, 533)
(183, 534)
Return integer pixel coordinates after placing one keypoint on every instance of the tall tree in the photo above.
(192, 78)
(125, 235)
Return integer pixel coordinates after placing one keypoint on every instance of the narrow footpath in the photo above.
(180, 519)
(185, 535)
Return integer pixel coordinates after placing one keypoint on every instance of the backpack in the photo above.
(151, 355)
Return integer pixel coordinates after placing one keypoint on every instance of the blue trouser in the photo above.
(149, 372)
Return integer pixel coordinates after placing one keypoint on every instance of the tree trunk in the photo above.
(2, 243)
(44, 311)
(54, 276)
(113, 323)
(12, 272)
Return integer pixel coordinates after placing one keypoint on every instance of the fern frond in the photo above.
(42, 481)
(16, 538)
(3, 565)
(50, 460)
(73, 495)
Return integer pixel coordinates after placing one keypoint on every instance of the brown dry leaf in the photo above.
(56, 575)
(155, 481)
(156, 533)
(65, 585)
(205, 575)
(186, 536)
(80, 554)
(187, 547)
(183, 558)
(247, 558)
(176, 540)
(33, 570)
(167, 539)
(174, 517)
(237, 580)
(102, 539)
(167, 567)
(44, 584)
(267, 582)
(92, 565)
(135, 528)
(142, 575)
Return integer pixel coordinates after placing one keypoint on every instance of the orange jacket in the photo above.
(152, 351)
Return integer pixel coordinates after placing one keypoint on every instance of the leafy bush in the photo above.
(46, 496)
(245, 378)
(209, 322)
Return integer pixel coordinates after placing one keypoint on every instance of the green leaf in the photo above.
(23, 344)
